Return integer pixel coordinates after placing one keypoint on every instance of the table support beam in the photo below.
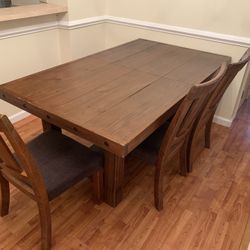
(48, 127)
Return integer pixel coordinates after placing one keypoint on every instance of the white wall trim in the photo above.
(20, 31)
(158, 27)
(176, 30)
(81, 23)
(222, 121)
(18, 116)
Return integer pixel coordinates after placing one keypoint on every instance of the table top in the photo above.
(115, 98)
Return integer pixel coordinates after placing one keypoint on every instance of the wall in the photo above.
(79, 9)
(76, 43)
(220, 18)
(224, 16)
(24, 55)
(29, 52)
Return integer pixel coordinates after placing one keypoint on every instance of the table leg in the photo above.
(113, 178)
(48, 127)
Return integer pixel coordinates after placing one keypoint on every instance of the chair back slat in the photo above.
(213, 102)
(19, 183)
(15, 174)
(183, 121)
(19, 167)
(7, 157)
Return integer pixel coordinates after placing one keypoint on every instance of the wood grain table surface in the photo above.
(115, 98)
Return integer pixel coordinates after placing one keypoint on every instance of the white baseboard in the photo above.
(222, 121)
(18, 116)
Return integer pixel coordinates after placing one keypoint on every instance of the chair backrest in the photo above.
(213, 102)
(16, 163)
(190, 108)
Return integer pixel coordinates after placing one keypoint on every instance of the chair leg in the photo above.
(184, 158)
(208, 129)
(189, 155)
(45, 222)
(98, 186)
(158, 187)
(5, 196)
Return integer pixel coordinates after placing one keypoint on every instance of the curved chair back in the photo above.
(232, 70)
(190, 108)
(177, 135)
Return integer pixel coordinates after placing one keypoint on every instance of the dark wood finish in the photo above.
(113, 178)
(48, 127)
(5, 196)
(208, 112)
(23, 172)
(115, 98)
(98, 187)
(24, 175)
(208, 128)
(177, 134)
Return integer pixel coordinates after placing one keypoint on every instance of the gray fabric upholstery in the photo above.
(62, 161)
(148, 150)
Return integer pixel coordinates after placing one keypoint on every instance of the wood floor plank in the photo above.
(245, 243)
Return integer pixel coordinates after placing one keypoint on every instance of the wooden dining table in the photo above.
(115, 98)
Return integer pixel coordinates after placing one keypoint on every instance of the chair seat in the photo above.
(62, 161)
(148, 150)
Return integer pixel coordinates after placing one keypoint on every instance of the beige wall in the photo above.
(26, 54)
(30, 53)
(81, 42)
(76, 43)
(79, 9)
(224, 16)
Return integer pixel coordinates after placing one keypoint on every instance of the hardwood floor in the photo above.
(209, 209)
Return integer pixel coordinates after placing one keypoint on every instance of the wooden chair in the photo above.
(206, 118)
(43, 169)
(170, 139)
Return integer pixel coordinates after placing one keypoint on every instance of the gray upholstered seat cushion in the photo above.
(148, 150)
(62, 161)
